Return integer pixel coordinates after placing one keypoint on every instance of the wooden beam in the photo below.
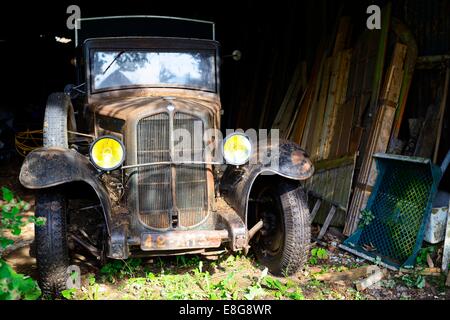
(442, 114)
(327, 222)
(315, 209)
(379, 136)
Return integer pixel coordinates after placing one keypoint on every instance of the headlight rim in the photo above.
(122, 160)
(250, 150)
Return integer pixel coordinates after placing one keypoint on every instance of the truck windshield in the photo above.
(132, 68)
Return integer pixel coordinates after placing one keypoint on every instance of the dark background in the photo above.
(273, 36)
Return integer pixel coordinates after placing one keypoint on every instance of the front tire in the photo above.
(52, 254)
(283, 243)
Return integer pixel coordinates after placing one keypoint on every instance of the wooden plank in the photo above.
(287, 133)
(310, 97)
(377, 276)
(329, 115)
(379, 136)
(427, 137)
(343, 35)
(327, 222)
(334, 163)
(334, 137)
(441, 115)
(348, 275)
(347, 121)
(293, 86)
(407, 38)
(373, 56)
(355, 139)
(332, 183)
(314, 134)
(300, 105)
(315, 209)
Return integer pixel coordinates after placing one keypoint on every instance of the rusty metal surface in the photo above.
(175, 240)
(48, 167)
(126, 108)
(237, 229)
(155, 108)
(237, 182)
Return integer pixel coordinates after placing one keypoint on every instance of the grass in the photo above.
(232, 277)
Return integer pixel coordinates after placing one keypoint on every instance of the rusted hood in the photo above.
(133, 107)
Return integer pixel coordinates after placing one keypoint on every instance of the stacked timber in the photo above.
(352, 107)
(316, 122)
(379, 136)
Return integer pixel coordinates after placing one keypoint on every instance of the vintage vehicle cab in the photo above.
(134, 164)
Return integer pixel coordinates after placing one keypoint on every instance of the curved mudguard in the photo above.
(291, 162)
(48, 167)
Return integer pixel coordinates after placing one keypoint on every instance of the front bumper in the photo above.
(228, 231)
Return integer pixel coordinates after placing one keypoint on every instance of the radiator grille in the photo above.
(191, 191)
(154, 182)
(155, 200)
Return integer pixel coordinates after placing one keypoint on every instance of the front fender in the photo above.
(236, 183)
(49, 167)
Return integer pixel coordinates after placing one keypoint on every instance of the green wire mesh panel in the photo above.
(397, 209)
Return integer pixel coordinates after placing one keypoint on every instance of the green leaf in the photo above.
(254, 292)
(4, 242)
(16, 286)
(7, 214)
(7, 194)
(322, 254)
(68, 293)
(91, 280)
(297, 295)
(41, 221)
(420, 282)
(16, 230)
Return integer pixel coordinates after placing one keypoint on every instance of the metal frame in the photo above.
(147, 43)
(131, 140)
(78, 21)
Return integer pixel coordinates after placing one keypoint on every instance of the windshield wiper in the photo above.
(114, 60)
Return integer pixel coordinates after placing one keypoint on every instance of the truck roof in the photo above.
(142, 26)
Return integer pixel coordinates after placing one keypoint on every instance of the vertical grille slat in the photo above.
(154, 182)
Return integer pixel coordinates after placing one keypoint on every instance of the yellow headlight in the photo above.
(237, 149)
(107, 153)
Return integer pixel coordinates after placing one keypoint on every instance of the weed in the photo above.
(69, 293)
(414, 281)
(318, 254)
(121, 269)
(366, 218)
(15, 286)
(288, 290)
(421, 259)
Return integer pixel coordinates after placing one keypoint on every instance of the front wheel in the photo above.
(283, 243)
(52, 255)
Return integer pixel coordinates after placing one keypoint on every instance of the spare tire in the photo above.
(58, 120)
